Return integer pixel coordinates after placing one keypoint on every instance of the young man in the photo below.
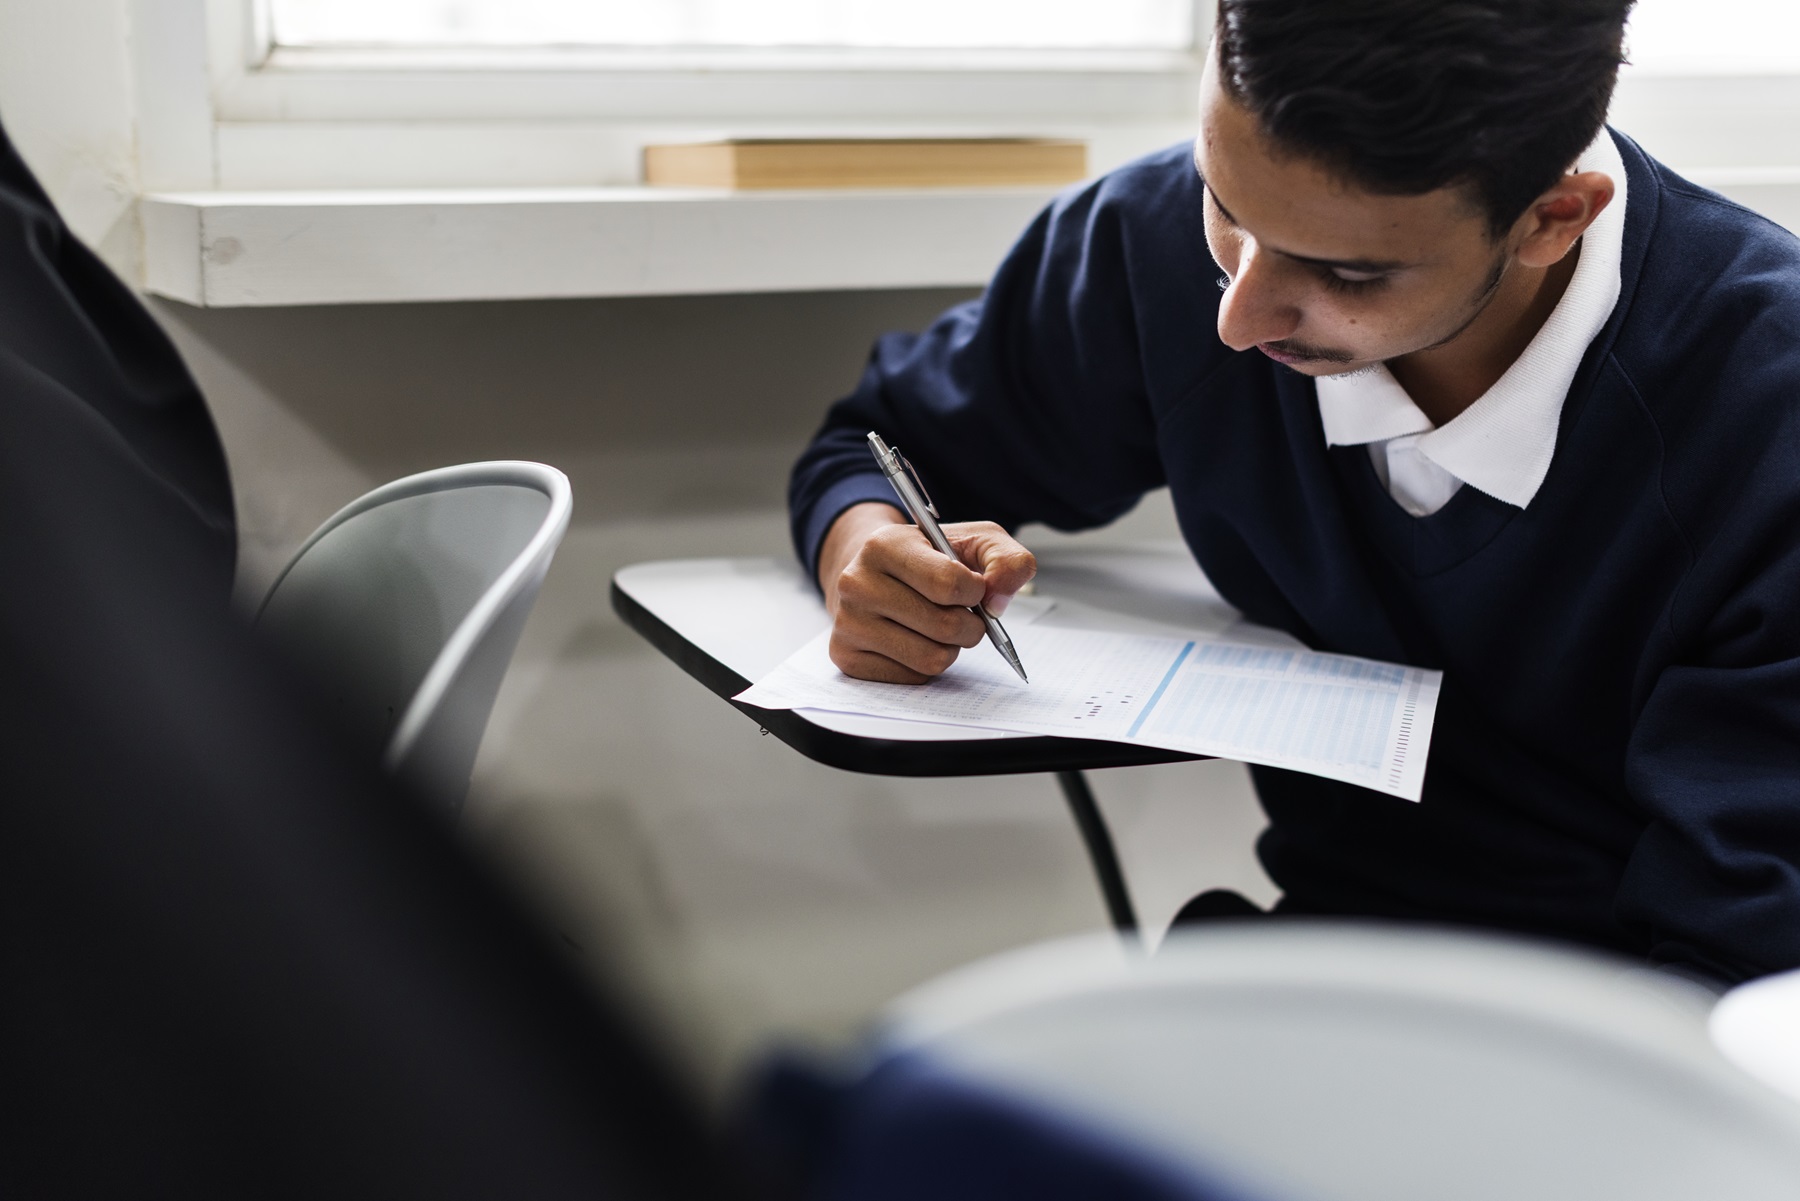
(1479, 386)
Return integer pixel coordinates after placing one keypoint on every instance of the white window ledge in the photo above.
(240, 249)
(243, 249)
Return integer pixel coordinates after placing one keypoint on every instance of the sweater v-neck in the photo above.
(1420, 546)
(1471, 519)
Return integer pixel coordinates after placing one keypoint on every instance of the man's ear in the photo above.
(1560, 216)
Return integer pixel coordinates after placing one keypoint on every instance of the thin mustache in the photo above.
(1309, 352)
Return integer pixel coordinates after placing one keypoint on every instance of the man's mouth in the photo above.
(1284, 356)
(1296, 358)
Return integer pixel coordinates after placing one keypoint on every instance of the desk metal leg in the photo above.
(1100, 850)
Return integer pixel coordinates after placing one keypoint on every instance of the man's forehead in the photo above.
(1307, 211)
(1239, 161)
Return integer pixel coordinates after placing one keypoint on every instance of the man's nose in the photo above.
(1257, 306)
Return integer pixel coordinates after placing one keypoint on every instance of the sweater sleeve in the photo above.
(1714, 757)
(1027, 405)
(1715, 877)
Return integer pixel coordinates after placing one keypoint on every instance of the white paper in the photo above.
(1259, 699)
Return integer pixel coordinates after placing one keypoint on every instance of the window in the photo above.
(839, 24)
(395, 93)
(327, 107)
(977, 66)
(1713, 88)
(1699, 37)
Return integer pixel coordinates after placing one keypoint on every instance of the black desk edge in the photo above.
(888, 756)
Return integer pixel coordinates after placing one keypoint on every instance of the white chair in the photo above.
(1337, 1062)
(1757, 1027)
(410, 601)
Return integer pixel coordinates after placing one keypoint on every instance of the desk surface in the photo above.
(726, 622)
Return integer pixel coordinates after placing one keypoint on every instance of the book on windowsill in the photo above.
(866, 162)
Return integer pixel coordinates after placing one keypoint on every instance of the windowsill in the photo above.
(249, 249)
(243, 249)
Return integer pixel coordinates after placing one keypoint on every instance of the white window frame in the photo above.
(256, 80)
(234, 112)
(218, 112)
(218, 100)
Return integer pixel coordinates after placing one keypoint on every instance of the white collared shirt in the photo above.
(1502, 444)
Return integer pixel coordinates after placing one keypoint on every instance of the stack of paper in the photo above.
(1258, 699)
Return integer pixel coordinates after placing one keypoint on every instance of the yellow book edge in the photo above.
(810, 163)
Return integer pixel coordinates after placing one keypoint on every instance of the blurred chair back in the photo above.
(1338, 1062)
(1757, 1026)
(409, 603)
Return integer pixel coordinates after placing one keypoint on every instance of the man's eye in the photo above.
(1337, 279)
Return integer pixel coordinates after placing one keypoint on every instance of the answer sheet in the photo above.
(1259, 701)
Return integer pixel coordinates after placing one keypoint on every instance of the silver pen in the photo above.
(906, 483)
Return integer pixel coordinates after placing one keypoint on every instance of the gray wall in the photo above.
(742, 892)
(657, 408)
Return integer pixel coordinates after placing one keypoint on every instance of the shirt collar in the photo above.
(1503, 443)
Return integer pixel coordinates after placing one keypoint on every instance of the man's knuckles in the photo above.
(867, 665)
(956, 627)
(931, 658)
(857, 587)
(943, 582)
(911, 664)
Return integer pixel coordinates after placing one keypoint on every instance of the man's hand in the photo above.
(900, 610)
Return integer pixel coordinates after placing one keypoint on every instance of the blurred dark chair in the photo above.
(239, 959)
(236, 959)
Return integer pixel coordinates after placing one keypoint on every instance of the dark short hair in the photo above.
(1408, 96)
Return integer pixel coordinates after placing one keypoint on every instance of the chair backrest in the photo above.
(410, 602)
(1334, 1062)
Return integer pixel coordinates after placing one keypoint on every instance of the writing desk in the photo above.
(727, 622)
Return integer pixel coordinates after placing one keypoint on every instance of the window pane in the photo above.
(925, 24)
(1715, 35)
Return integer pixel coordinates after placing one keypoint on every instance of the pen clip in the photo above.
(919, 483)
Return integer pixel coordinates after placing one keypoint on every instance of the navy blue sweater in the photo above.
(1617, 751)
